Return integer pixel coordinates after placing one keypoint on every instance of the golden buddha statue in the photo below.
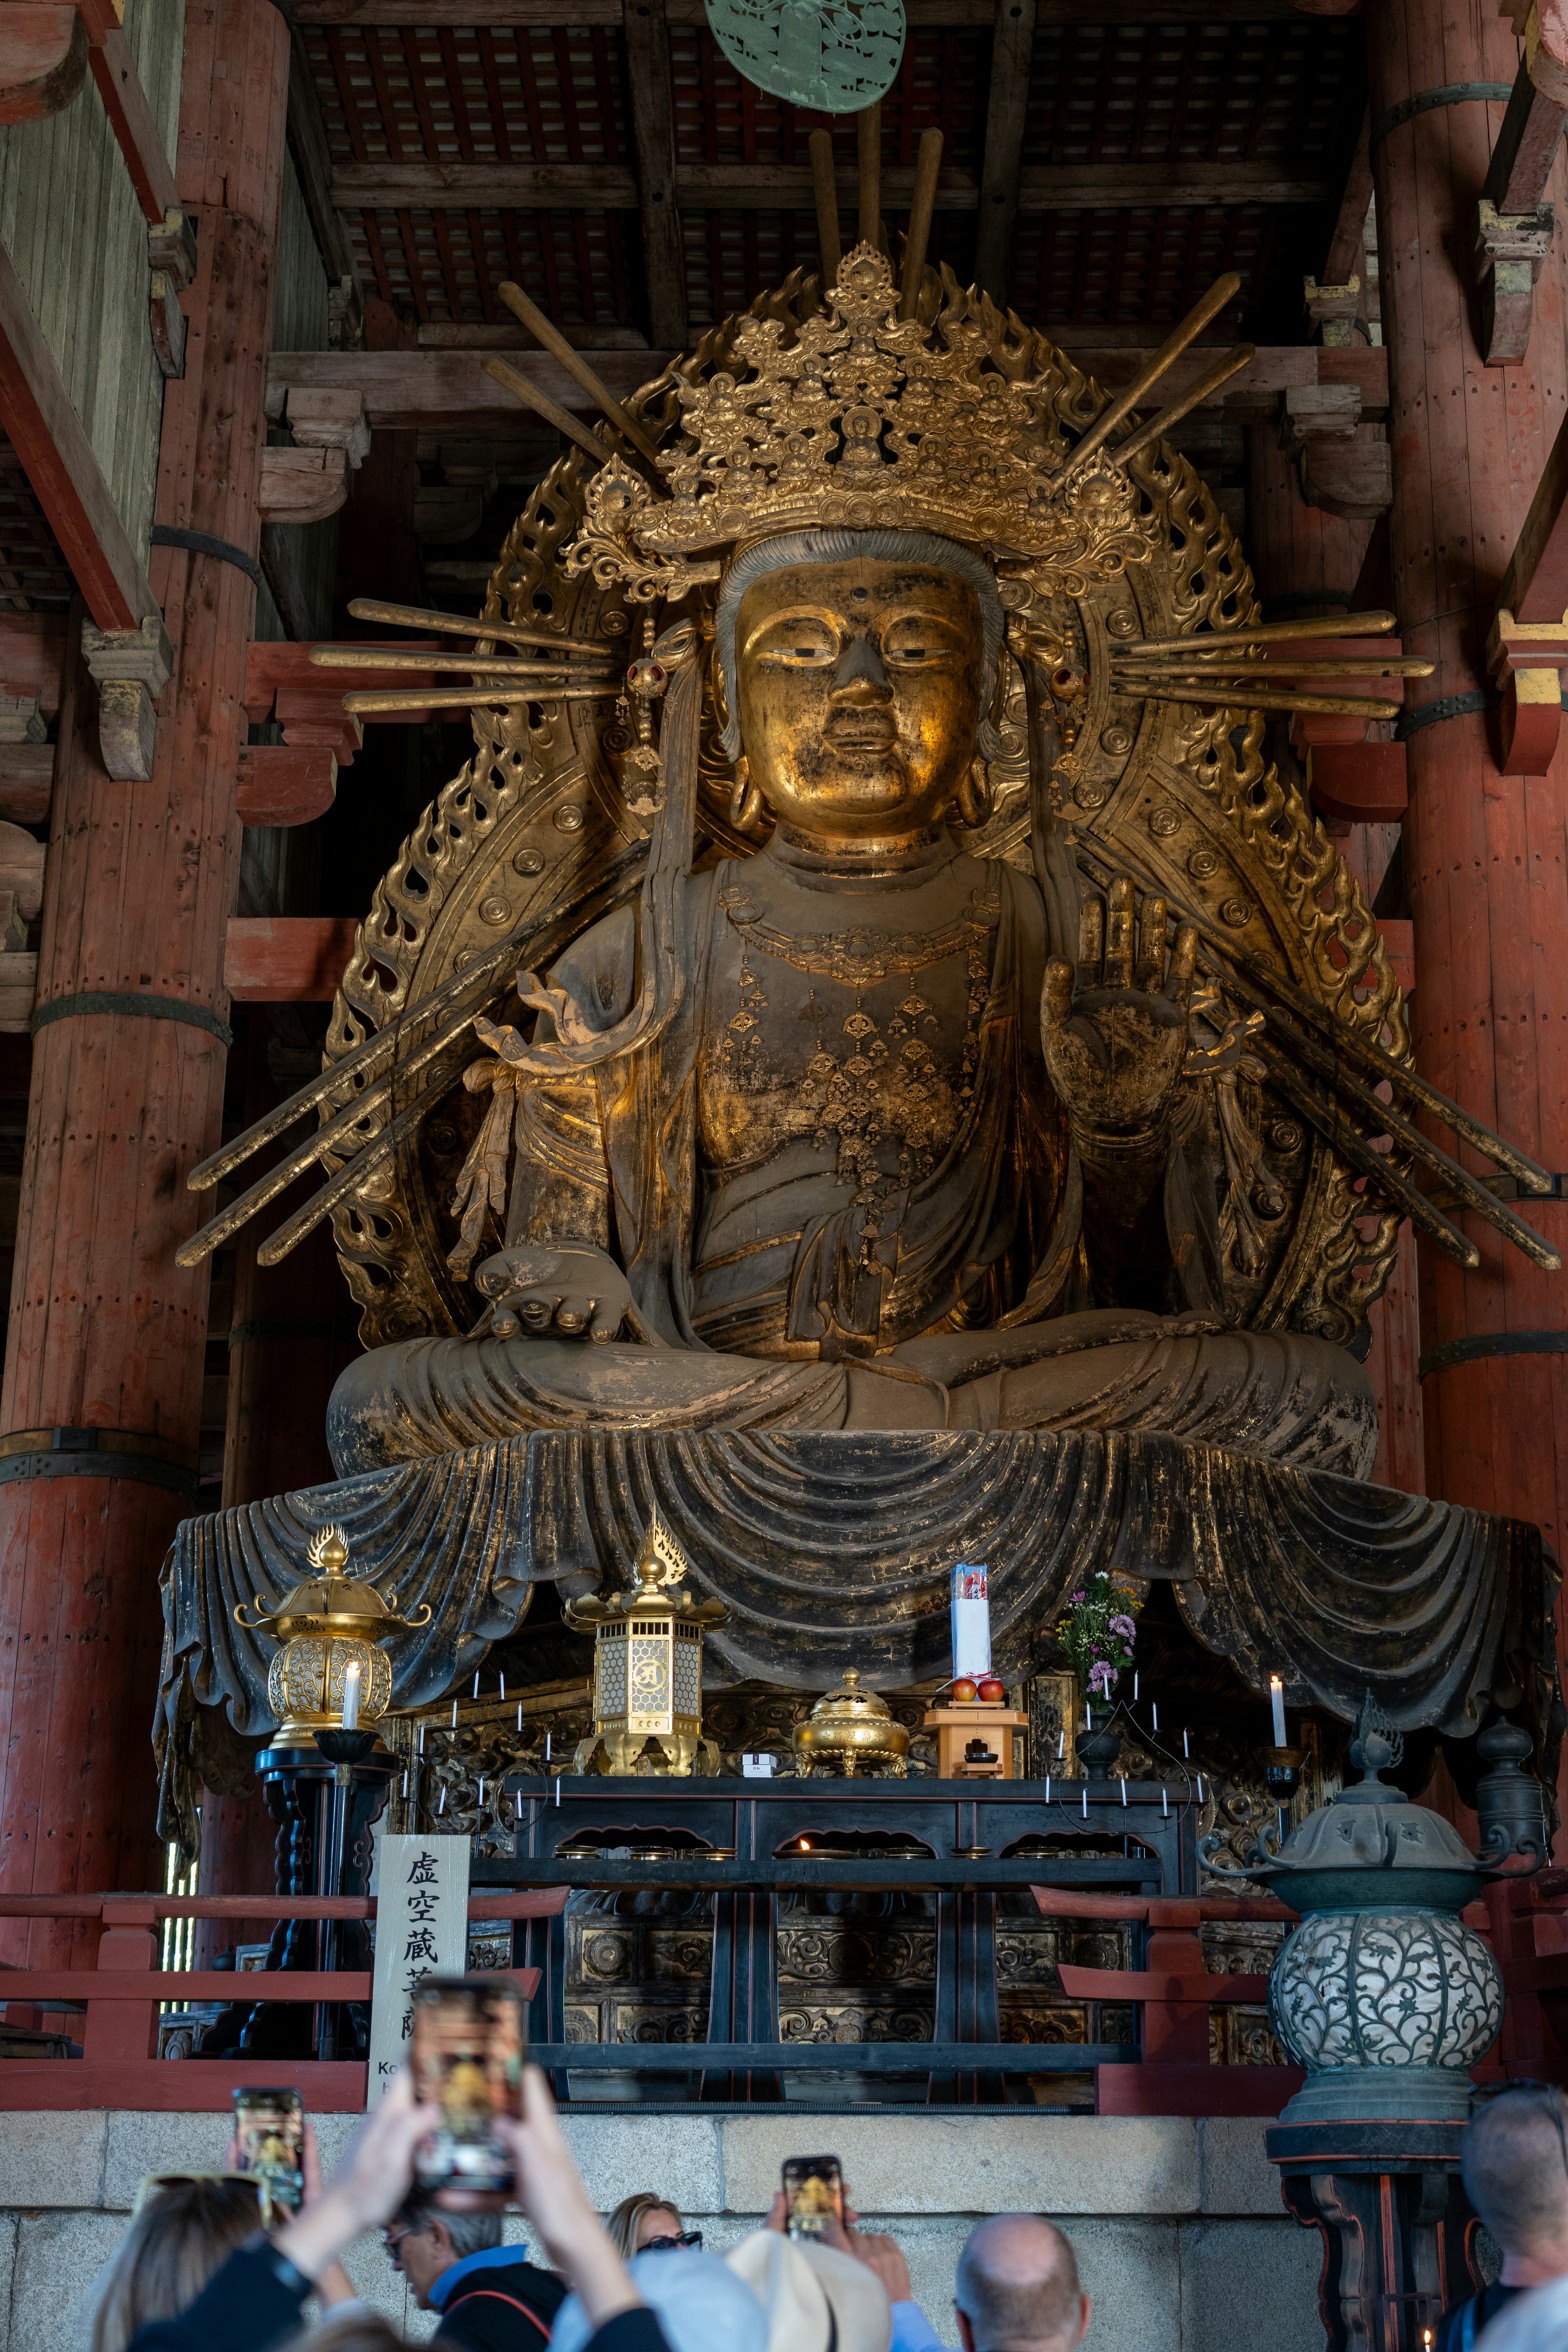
(917, 1079)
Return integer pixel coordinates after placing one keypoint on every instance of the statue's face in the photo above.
(858, 689)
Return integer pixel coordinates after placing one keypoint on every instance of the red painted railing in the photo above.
(1175, 1994)
(119, 2000)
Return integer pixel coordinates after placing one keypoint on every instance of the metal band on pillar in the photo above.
(1476, 1347)
(1426, 102)
(1447, 707)
(201, 543)
(129, 1000)
(87, 1451)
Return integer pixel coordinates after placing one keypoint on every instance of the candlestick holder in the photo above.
(1282, 1778)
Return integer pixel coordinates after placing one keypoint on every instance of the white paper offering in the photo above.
(421, 1931)
(971, 1622)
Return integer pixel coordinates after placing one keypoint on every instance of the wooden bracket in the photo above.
(1509, 251)
(1333, 310)
(286, 959)
(1526, 660)
(1348, 779)
(285, 783)
(302, 484)
(43, 59)
(131, 668)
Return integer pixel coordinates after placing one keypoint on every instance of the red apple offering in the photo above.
(963, 1691)
(993, 1691)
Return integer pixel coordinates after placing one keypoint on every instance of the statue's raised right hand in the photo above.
(573, 1292)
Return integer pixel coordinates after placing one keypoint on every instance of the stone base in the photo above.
(1439, 2095)
(1181, 2235)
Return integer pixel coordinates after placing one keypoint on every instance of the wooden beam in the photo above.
(434, 390)
(43, 59)
(1347, 247)
(1535, 585)
(786, 188)
(286, 959)
(653, 134)
(27, 782)
(137, 134)
(284, 783)
(56, 457)
(1527, 143)
(441, 391)
(32, 649)
(1012, 57)
(313, 162)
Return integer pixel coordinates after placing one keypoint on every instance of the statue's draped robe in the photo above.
(888, 1237)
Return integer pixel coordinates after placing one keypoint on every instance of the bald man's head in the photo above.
(1018, 2289)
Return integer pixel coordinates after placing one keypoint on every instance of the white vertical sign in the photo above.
(971, 1622)
(421, 1931)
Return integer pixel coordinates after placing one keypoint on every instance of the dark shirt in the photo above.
(1485, 2305)
(255, 2301)
(479, 2310)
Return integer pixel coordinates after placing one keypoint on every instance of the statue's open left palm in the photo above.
(1115, 1027)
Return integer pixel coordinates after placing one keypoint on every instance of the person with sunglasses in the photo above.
(647, 2224)
(1515, 2166)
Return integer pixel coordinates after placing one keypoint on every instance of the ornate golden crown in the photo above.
(864, 421)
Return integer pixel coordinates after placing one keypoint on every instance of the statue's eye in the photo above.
(916, 642)
(802, 645)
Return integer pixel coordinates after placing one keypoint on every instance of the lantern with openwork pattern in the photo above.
(648, 1667)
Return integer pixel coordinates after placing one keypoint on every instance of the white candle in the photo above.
(1061, 1744)
(1047, 1788)
(1135, 1687)
(1086, 1801)
(352, 1673)
(1088, 1716)
(518, 1808)
(547, 1747)
(1125, 1793)
(1185, 1749)
(1277, 1701)
(1155, 1711)
(1164, 1806)
(481, 1792)
(1200, 1788)
(406, 1784)
(519, 1715)
(476, 1685)
(442, 1806)
(454, 1715)
(503, 1686)
(558, 1789)
(422, 1740)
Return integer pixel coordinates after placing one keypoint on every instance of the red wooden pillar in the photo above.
(1485, 854)
(292, 1330)
(107, 1334)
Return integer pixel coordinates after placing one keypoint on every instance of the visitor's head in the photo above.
(182, 2234)
(423, 2240)
(816, 2298)
(859, 666)
(1515, 2163)
(700, 2305)
(1018, 2289)
(644, 2220)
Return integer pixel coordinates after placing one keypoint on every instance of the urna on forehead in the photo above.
(800, 549)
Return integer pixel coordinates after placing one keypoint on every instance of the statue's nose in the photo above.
(860, 677)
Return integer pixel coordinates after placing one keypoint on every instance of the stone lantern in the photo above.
(1382, 1993)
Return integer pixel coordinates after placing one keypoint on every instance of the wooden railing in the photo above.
(119, 2000)
(1175, 1993)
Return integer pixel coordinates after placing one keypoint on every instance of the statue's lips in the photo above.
(861, 730)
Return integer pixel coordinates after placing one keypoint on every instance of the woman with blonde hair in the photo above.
(645, 2220)
(180, 2238)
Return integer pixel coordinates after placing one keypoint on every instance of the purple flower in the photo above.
(1125, 1627)
(1075, 1597)
(1100, 1678)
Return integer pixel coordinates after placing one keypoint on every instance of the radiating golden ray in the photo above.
(453, 624)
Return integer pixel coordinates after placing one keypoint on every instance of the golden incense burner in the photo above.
(851, 1731)
(648, 1667)
(323, 1628)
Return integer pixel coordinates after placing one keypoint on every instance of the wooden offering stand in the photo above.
(957, 1724)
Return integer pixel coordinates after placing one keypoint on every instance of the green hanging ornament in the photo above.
(834, 56)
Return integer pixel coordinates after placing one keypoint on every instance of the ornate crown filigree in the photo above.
(862, 420)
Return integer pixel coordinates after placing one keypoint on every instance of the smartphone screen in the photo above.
(469, 2045)
(269, 2136)
(814, 2194)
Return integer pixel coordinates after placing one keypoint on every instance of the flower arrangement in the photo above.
(1098, 1631)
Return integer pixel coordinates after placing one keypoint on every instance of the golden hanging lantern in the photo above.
(648, 1667)
(322, 1628)
(851, 1731)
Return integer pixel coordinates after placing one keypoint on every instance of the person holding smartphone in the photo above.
(491, 2297)
(254, 2301)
